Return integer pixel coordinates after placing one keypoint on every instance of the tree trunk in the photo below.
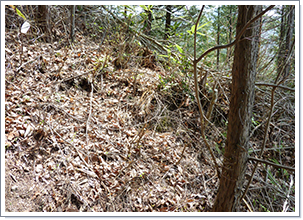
(167, 21)
(286, 35)
(125, 12)
(240, 112)
(218, 37)
(72, 23)
(43, 22)
(229, 35)
(289, 36)
(148, 22)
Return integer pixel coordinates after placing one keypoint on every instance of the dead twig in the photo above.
(182, 154)
(90, 112)
(202, 116)
(272, 105)
(272, 164)
(24, 64)
(285, 207)
(275, 85)
(62, 110)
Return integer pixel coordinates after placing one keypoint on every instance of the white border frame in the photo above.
(152, 214)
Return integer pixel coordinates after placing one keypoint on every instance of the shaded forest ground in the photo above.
(130, 144)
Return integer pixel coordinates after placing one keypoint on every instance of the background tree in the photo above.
(148, 20)
(125, 12)
(167, 21)
(72, 23)
(231, 10)
(286, 39)
(218, 36)
(223, 22)
(43, 22)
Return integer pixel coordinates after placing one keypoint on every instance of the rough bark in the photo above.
(239, 119)
(286, 35)
(43, 22)
(72, 23)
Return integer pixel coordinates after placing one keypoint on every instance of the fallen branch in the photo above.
(73, 77)
(90, 113)
(182, 154)
(24, 64)
(62, 110)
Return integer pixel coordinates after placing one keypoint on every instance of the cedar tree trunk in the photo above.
(240, 112)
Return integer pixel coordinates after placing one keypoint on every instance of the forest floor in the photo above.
(121, 147)
(69, 149)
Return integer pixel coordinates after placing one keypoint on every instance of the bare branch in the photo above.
(195, 36)
(202, 116)
(275, 85)
(238, 37)
(272, 164)
(272, 104)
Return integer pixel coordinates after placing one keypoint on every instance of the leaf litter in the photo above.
(69, 149)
